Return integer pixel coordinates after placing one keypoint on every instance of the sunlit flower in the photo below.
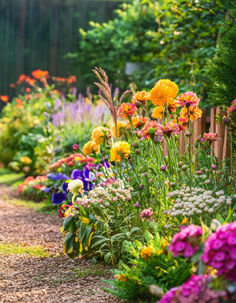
(75, 186)
(91, 147)
(140, 96)
(210, 137)
(121, 127)
(170, 128)
(163, 90)
(146, 252)
(25, 160)
(138, 121)
(119, 149)
(188, 99)
(4, 98)
(158, 112)
(194, 112)
(40, 74)
(126, 110)
(183, 122)
(148, 130)
(100, 134)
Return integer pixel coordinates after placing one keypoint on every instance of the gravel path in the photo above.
(26, 278)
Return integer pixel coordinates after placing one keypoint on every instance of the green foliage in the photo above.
(170, 39)
(150, 264)
(222, 68)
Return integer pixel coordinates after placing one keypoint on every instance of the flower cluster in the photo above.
(196, 201)
(110, 192)
(195, 290)
(209, 137)
(126, 110)
(146, 214)
(146, 252)
(37, 183)
(186, 242)
(70, 161)
(220, 250)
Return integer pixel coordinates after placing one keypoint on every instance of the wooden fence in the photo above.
(209, 123)
(39, 33)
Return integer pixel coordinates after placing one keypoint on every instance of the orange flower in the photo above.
(4, 98)
(39, 74)
(12, 85)
(172, 104)
(141, 97)
(146, 252)
(182, 123)
(158, 112)
(30, 81)
(27, 89)
(91, 147)
(121, 278)
(138, 121)
(163, 90)
(126, 110)
(21, 79)
(193, 111)
(71, 79)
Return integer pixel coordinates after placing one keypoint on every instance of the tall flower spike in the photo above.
(106, 94)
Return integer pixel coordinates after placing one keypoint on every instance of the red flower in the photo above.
(4, 98)
(126, 110)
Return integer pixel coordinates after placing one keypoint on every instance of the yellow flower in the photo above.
(158, 112)
(146, 252)
(194, 112)
(119, 149)
(26, 160)
(184, 221)
(163, 90)
(100, 134)
(141, 97)
(70, 211)
(120, 128)
(91, 147)
(84, 220)
(164, 243)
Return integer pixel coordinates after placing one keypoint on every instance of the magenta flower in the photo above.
(220, 250)
(195, 290)
(186, 242)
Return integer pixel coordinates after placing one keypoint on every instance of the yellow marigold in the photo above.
(121, 126)
(158, 112)
(164, 243)
(100, 134)
(146, 252)
(184, 221)
(140, 96)
(194, 112)
(91, 147)
(163, 90)
(119, 149)
(26, 160)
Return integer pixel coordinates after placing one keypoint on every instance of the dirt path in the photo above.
(53, 278)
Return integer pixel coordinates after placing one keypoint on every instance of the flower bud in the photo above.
(163, 168)
(188, 134)
(199, 172)
(135, 144)
(138, 104)
(214, 167)
(184, 167)
(136, 205)
(138, 151)
(141, 186)
(150, 180)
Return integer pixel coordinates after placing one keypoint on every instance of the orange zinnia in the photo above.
(163, 90)
(4, 98)
(141, 97)
(193, 111)
(21, 79)
(39, 74)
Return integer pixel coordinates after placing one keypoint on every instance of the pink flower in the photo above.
(170, 128)
(188, 99)
(186, 242)
(210, 137)
(232, 108)
(220, 250)
(126, 110)
(147, 214)
(149, 130)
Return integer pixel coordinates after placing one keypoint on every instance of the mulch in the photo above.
(25, 278)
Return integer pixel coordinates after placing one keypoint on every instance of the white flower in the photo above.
(220, 192)
(75, 186)
(211, 210)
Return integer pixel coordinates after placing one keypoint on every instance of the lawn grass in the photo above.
(10, 178)
(36, 251)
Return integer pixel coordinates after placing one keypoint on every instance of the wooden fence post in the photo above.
(220, 130)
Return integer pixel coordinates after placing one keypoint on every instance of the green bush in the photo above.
(169, 39)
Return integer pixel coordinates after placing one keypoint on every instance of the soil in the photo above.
(26, 278)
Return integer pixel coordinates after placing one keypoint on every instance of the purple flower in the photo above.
(147, 214)
(57, 177)
(58, 198)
